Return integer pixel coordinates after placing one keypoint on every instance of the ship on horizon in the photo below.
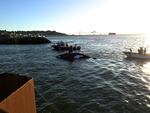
(111, 33)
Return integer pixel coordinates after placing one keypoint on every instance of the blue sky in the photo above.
(40, 14)
(73, 16)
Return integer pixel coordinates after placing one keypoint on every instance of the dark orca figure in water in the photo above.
(72, 56)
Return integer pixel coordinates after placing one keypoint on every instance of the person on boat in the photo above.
(61, 43)
(130, 51)
(140, 51)
(70, 49)
(144, 51)
(67, 45)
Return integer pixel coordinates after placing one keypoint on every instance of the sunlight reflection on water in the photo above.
(146, 68)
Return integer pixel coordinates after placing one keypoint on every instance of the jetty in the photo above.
(24, 40)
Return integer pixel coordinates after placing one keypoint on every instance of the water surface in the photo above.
(108, 84)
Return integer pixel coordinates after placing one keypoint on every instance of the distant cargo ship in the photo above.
(111, 33)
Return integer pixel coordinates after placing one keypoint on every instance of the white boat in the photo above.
(136, 55)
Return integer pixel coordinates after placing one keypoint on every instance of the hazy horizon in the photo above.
(76, 17)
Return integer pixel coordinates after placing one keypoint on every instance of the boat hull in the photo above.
(72, 56)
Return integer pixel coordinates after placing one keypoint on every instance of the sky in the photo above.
(76, 16)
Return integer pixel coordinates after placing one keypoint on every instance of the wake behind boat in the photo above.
(140, 55)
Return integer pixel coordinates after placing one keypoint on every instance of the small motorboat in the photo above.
(137, 55)
(140, 55)
(65, 48)
(72, 56)
(61, 46)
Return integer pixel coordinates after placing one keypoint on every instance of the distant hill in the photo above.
(35, 33)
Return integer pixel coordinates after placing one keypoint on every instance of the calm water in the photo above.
(108, 84)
